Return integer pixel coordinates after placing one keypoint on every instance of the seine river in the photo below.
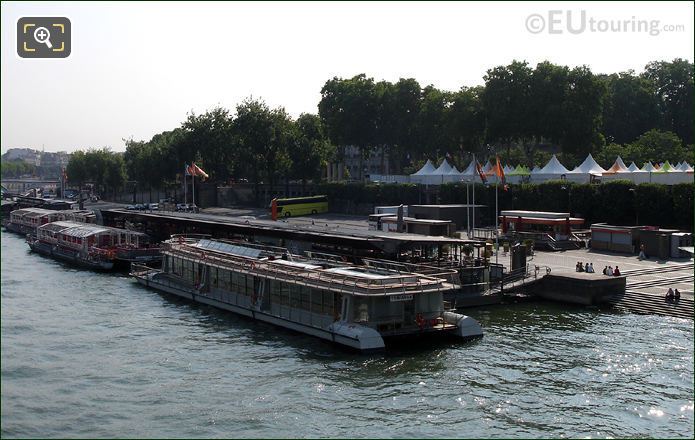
(96, 355)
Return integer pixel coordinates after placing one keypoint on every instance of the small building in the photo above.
(389, 222)
(615, 238)
(460, 214)
(558, 225)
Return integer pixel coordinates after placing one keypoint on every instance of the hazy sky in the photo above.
(137, 69)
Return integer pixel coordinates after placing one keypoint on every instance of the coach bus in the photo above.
(297, 206)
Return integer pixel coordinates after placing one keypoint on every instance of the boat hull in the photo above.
(59, 254)
(353, 336)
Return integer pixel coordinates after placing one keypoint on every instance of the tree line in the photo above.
(521, 113)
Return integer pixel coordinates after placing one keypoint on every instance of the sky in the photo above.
(137, 68)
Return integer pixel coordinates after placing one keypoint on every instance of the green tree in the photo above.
(208, 140)
(631, 107)
(583, 108)
(673, 82)
(349, 111)
(311, 151)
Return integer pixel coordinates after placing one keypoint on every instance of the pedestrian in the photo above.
(590, 269)
(610, 271)
(669, 295)
(677, 295)
(642, 254)
(580, 267)
(586, 268)
(576, 267)
(605, 270)
(616, 272)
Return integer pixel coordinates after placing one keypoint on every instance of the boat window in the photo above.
(316, 298)
(304, 298)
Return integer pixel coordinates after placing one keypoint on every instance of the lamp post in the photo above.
(634, 204)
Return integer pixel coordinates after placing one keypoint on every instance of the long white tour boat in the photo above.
(362, 307)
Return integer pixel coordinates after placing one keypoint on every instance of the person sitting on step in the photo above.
(669, 295)
(676, 295)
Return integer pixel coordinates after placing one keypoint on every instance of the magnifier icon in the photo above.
(42, 36)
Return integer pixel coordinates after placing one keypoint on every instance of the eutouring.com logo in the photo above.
(555, 22)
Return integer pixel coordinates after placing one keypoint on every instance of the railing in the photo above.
(335, 281)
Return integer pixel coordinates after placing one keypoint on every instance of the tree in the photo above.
(631, 107)
(658, 146)
(208, 140)
(310, 153)
(673, 82)
(505, 99)
(582, 112)
(430, 123)
(465, 120)
(348, 110)
(77, 171)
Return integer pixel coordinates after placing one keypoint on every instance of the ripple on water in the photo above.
(96, 355)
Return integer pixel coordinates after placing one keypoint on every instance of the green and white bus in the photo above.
(297, 206)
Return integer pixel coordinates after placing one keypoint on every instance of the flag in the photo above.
(65, 175)
(197, 171)
(499, 171)
(479, 169)
(186, 170)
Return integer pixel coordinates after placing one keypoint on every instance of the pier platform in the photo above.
(580, 287)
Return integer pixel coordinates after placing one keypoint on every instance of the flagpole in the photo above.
(185, 186)
(468, 211)
(473, 213)
(193, 187)
(497, 229)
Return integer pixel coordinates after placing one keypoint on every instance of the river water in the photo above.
(96, 355)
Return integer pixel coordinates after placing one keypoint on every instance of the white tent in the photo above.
(426, 169)
(685, 166)
(585, 170)
(552, 170)
(470, 169)
(443, 169)
(508, 169)
(488, 167)
(648, 167)
(535, 170)
(633, 167)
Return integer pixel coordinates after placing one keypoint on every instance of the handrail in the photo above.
(243, 264)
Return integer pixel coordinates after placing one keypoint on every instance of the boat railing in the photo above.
(139, 270)
(332, 280)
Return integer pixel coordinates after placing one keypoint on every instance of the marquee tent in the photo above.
(588, 168)
(552, 170)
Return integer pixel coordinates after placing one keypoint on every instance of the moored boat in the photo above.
(92, 246)
(362, 307)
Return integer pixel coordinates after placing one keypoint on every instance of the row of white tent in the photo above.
(587, 171)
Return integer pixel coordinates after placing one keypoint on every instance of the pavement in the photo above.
(653, 276)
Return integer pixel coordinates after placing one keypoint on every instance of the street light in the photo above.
(634, 204)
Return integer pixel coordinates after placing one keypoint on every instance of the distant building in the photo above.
(351, 167)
